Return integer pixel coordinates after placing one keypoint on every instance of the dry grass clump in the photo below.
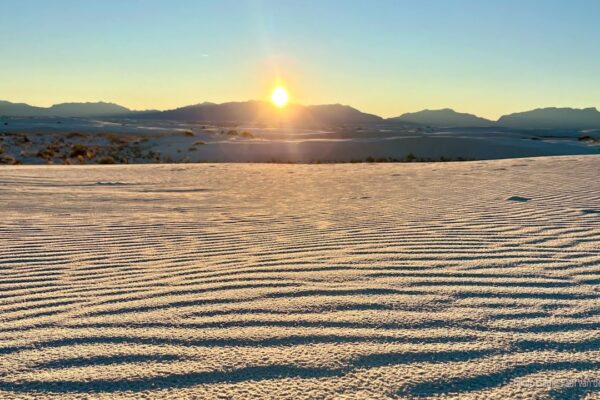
(106, 160)
(243, 134)
(52, 150)
(73, 135)
(81, 151)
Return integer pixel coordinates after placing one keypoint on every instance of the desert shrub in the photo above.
(199, 143)
(116, 139)
(81, 151)
(49, 152)
(588, 138)
(73, 135)
(45, 154)
(370, 159)
(410, 157)
(188, 133)
(106, 160)
(6, 160)
(136, 152)
(233, 132)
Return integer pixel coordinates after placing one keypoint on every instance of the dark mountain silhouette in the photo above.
(98, 109)
(446, 118)
(87, 109)
(553, 118)
(261, 112)
(19, 109)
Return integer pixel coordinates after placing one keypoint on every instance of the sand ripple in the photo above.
(464, 280)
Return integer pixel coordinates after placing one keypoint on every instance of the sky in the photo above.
(384, 57)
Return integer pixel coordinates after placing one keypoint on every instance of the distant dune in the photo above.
(84, 141)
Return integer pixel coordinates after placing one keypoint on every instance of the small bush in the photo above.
(588, 138)
(81, 151)
(6, 160)
(106, 160)
(116, 139)
(188, 133)
(49, 152)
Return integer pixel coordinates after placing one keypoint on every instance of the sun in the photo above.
(280, 97)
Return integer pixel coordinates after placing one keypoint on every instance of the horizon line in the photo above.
(297, 104)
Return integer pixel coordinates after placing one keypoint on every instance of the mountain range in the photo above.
(557, 118)
(261, 112)
(65, 110)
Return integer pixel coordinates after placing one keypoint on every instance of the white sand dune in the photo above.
(231, 281)
(44, 141)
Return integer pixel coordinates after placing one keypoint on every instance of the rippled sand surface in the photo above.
(232, 281)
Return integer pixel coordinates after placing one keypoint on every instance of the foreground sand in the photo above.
(471, 280)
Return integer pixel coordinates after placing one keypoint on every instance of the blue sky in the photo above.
(385, 57)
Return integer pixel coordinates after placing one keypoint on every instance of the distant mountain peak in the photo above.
(445, 117)
(87, 109)
(553, 118)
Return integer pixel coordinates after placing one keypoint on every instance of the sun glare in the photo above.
(280, 96)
